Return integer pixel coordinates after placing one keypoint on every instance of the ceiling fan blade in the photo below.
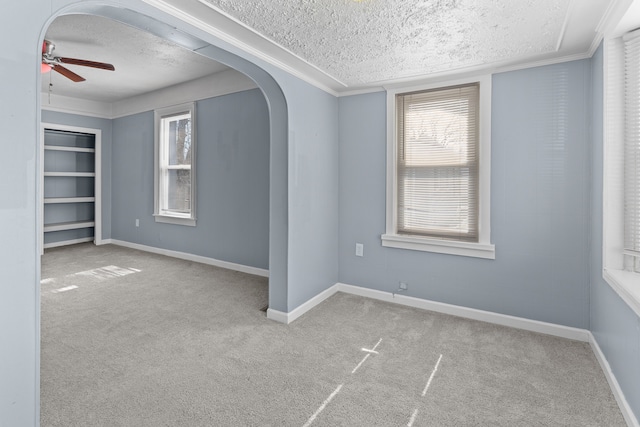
(68, 73)
(85, 63)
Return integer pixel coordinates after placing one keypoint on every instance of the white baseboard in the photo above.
(67, 242)
(627, 413)
(471, 313)
(454, 310)
(189, 257)
(287, 318)
(278, 316)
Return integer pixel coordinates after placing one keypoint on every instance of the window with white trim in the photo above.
(175, 146)
(632, 151)
(621, 197)
(438, 169)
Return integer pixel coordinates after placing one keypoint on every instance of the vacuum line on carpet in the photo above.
(324, 405)
(369, 352)
(377, 344)
(65, 289)
(361, 362)
(413, 418)
(431, 377)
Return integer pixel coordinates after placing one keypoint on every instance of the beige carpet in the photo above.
(135, 339)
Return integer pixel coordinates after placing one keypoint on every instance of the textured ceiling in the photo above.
(338, 45)
(143, 62)
(368, 41)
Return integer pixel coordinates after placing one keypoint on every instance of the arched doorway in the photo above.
(151, 20)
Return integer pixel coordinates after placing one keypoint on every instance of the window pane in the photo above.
(179, 190)
(437, 203)
(179, 140)
(175, 172)
(437, 169)
(632, 149)
(439, 133)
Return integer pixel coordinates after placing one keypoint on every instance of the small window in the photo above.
(438, 170)
(632, 151)
(621, 190)
(175, 145)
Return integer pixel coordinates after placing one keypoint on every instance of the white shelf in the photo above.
(72, 174)
(74, 225)
(51, 200)
(72, 149)
(67, 242)
(70, 170)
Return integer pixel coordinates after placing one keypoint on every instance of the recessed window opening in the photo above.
(439, 168)
(175, 165)
(438, 163)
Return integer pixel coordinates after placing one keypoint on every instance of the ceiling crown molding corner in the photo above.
(611, 17)
(77, 106)
(565, 24)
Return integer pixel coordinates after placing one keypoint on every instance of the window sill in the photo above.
(476, 250)
(166, 219)
(627, 286)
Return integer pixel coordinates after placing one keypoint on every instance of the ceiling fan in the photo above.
(51, 62)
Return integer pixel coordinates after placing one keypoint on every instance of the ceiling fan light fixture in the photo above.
(44, 68)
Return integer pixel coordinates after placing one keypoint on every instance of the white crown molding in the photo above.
(608, 23)
(242, 37)
(494, 68)
(361, 91)
(219, 84)
(565, 24)
(229, 29)
(274, 43)
(232, 31)
(83, 107)
(612, 16)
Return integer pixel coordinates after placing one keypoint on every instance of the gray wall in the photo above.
(232, 182)
(105, 126)
(614, 324)
(23, 26)
(313, 192)
(530, 278)
(20, 25)
(539, 203)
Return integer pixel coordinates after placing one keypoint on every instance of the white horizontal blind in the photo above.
(438, 163)
(632, 149)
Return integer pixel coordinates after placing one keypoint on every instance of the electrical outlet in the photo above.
(359, 249)
(137, 222)
(404, 286)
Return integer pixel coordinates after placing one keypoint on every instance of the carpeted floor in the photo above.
(136, 339)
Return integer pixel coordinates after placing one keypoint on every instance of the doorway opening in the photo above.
(264, 87)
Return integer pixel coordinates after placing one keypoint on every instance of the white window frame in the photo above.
(160, 213)
(625, 283)
(481, 249)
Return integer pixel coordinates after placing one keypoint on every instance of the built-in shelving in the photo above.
(71, 174)
(73, 149)
(70, 185)
(48, 200)
(71, 225)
